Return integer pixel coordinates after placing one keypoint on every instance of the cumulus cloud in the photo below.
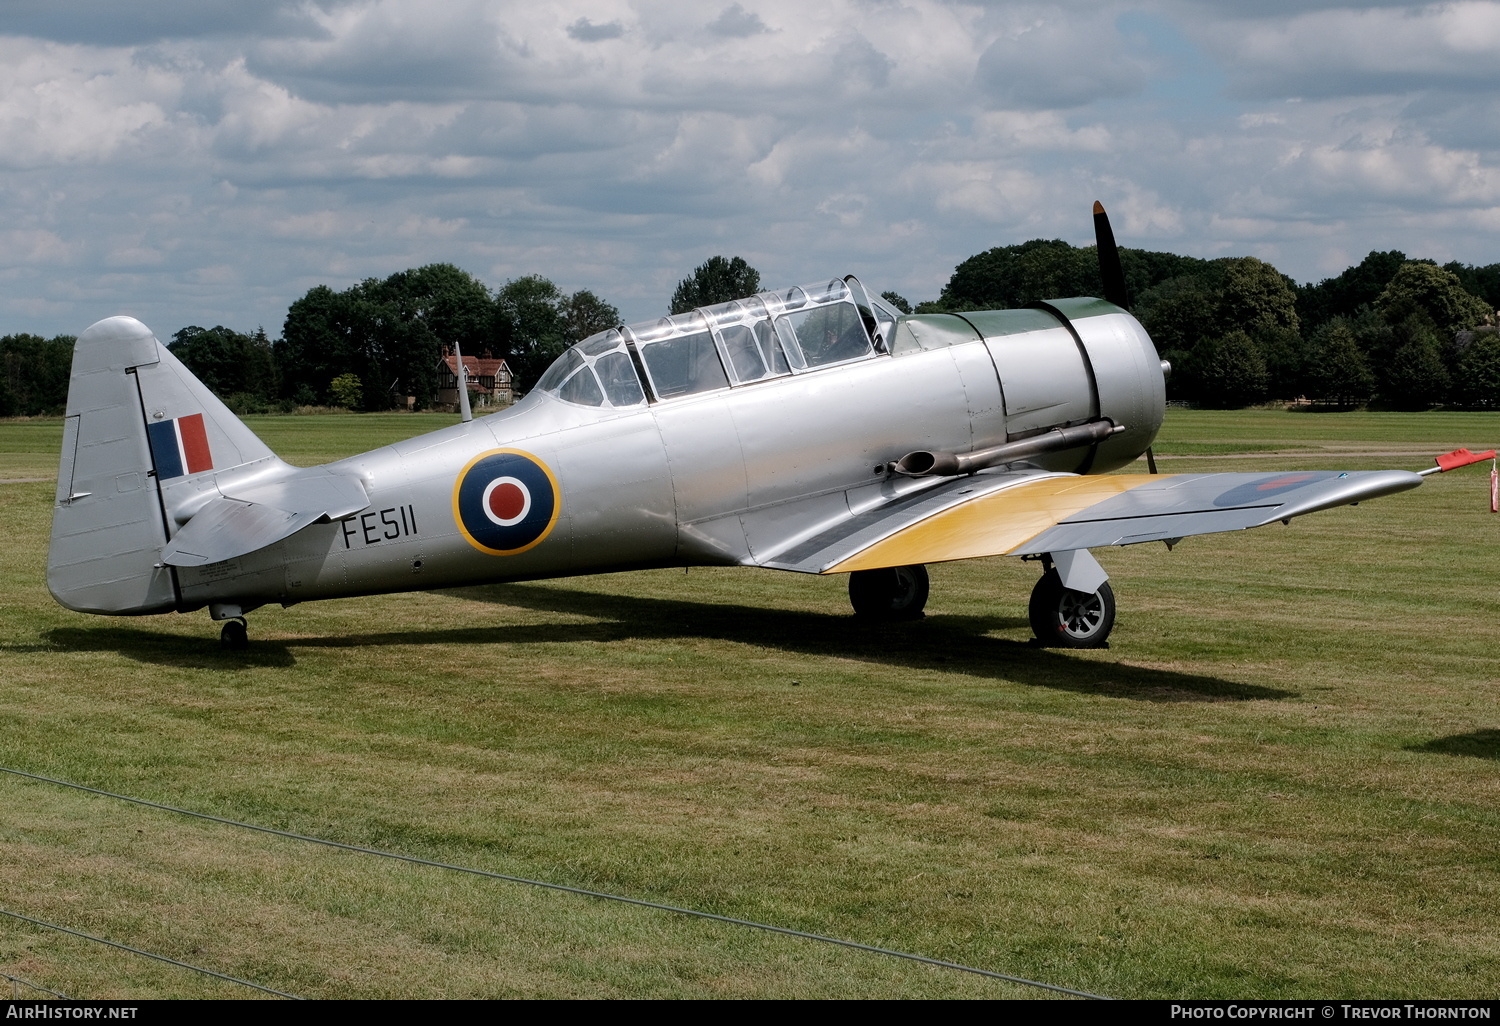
(111, 23)
(735, 21)
(1361, 51)
(388, 50)
(586, 31)
(191, 161)
(64, 104)
(1277, 8)
(1051, 58)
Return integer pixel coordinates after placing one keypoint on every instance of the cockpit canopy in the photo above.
(804, 328)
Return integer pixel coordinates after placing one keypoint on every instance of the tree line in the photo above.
(1400, 333)
(1391, 331)
(382, 340)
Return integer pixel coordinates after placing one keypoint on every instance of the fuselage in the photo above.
(729, 473)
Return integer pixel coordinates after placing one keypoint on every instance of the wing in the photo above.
(1023, 513)
(248, 518)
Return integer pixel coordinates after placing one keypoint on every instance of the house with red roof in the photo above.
(490, 380)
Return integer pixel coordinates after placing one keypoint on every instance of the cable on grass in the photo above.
(16, 983)
(147, 954)
(640, 902)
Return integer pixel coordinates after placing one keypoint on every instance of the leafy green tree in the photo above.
(897, 300)
(1214, 299)
(1477, 375)
(1345, 295)
(418, 313)
(1180, 311)
(34, 374)
(227, 361)
(1007, 277)
(1229, 371)
(535, 321)
(716, 280)
(1411, 374)
(585, 314)
(1182, 301)
(316, 343)
(1483, 282)
(453, 305)
(1286, 354)
(347, 391)
(1338, 372)
(532, 326)
(1262, 302)
(1258, 298)
(328, 334)
(389, 333)
(1436, 294)
(1145, 269)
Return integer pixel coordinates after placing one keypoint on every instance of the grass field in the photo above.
(1282, 780)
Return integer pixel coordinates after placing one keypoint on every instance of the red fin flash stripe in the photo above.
(195, 444)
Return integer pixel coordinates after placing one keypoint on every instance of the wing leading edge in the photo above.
(1017, 514)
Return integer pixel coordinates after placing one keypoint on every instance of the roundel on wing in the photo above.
(505, 501)
(1260, 488)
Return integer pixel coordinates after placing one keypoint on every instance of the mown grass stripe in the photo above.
(787, 931)
(145, 953)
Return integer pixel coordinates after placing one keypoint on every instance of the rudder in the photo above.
(142, 443)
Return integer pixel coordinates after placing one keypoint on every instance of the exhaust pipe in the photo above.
(946, 464)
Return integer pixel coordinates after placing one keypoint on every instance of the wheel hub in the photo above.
(1080, 615)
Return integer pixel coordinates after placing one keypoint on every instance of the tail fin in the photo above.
(143, 444)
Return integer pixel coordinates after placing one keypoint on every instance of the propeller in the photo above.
(1112, 272)
(1110, 268)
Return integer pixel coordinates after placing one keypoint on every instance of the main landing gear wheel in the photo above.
(891, 593)
(234, 635)
(1071, 619)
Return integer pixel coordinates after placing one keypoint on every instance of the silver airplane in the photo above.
(814, 429)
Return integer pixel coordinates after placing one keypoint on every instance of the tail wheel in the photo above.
(891, 593)
(1071, 619)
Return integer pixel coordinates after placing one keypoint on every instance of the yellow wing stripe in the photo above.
(991, 524)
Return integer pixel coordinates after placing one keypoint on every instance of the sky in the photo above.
(209, 161)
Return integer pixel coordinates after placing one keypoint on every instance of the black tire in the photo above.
(1071, 619)
(234, 636)
(891, 593)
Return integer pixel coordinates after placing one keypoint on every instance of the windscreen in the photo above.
(596, 372)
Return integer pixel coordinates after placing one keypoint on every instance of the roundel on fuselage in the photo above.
(505, 501)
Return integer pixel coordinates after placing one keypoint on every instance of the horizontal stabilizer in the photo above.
(250, 517)
(315, 490)
(226, 528)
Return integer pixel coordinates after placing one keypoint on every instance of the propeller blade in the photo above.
(1110, 268)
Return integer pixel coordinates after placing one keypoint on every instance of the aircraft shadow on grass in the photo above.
(956, 644)
(145, 646)
(1479, 744)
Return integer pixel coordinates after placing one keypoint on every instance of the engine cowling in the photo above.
(1076, 361)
